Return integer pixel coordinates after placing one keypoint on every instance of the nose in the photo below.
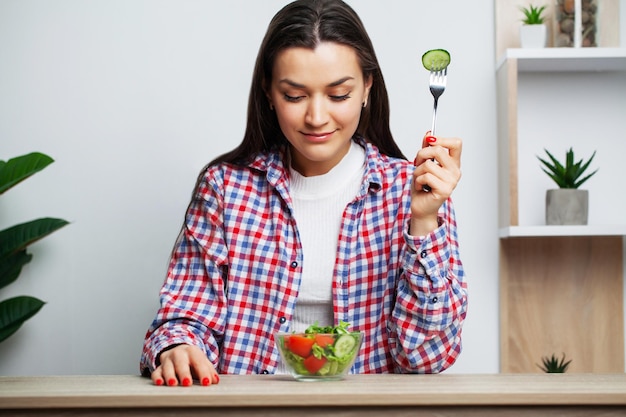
(316, 112)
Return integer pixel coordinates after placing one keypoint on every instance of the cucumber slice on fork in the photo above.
(436, 59)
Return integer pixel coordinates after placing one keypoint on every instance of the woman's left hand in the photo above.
(437, 165)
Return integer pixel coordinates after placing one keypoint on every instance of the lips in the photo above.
(318, 137)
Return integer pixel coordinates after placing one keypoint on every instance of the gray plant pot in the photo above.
(565, 206)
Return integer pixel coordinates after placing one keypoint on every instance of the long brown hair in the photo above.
(307, 23)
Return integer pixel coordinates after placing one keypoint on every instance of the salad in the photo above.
(320, 351)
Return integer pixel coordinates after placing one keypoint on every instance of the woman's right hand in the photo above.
(181, 364)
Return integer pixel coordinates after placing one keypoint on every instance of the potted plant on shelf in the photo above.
(567, 205)
(533, 32)
(14, 240)
(553, 365)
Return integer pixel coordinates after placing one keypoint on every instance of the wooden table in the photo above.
(357, 395)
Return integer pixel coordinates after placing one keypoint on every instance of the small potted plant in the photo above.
(553, 365)
(533, 32)
(567, 205)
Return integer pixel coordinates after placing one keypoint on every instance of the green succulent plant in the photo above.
(533, 15)
(14, 240)
(553, 365)
(567, 175)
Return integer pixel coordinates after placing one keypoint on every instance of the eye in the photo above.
(292, 99)
(340, 98)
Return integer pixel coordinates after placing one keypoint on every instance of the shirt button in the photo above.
(424, 254)
(282, 320)
(434, 300)
(294, 264)
(265, 372)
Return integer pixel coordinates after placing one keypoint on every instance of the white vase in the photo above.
(533, 36)
(567, 206)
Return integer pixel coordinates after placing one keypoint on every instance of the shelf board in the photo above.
(567, 59)
(553, 231)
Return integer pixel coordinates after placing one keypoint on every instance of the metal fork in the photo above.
(437, 87)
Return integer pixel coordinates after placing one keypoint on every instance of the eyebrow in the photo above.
(298, 85)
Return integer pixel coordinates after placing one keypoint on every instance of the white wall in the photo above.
(133, 97)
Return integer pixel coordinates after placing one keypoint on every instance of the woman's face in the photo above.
(318, 95)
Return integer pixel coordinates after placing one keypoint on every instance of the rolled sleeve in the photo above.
(431, 303)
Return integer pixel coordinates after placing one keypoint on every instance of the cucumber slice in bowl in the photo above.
(344, 346)
(436, 59)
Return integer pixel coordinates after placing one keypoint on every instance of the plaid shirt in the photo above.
(235, 271)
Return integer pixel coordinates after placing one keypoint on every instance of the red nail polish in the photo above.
(186, 382)
(206, 381)
(431, 139)
(158, 382)
(217, 379)
(171, 381)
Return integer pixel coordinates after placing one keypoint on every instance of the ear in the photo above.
(368, 86)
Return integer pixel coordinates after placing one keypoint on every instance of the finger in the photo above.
(202, 368)
(437, 176)
(424, 155)
(157, 376)
(429, 142)
(440, 189)
(454, 147)
(168, 372)
(182, 367)
(448, 168)
(443, 158)
(428, 139)
(423, 175)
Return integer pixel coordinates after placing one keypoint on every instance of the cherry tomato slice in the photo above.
(312, 364)
(324, 340)
(299, 345)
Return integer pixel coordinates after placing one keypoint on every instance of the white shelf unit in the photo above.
(567, 59)
(553, 231)
(561, 287)
(557, 60)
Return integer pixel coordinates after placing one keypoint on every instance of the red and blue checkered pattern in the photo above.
(236, 267)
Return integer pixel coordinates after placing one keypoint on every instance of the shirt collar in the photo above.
(274, 163)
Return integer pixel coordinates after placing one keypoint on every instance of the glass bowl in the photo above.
(318, 356)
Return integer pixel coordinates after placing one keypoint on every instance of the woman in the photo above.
(315, 217)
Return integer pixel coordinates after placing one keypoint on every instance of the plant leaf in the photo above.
(567, 176)
(11, 266)
(548, 165)
(17, 169)
(532, 14)
(569, 158)
(581, 181)
(15, 311)
(19, 236)
(559, 169)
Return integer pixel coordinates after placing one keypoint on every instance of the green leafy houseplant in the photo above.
(567, 175)
(533, 15)
(14, 240)
(553, 365)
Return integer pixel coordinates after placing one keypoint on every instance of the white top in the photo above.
(319, 202)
